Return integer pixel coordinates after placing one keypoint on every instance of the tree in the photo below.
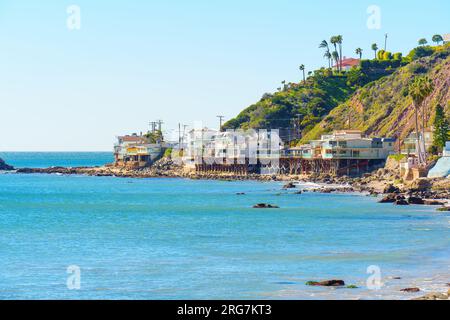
(324, 44)
(420, 88)
(328, 56)
(340, 40)
(437, 38)
(423, 42)
(334, 40)
(441, 128)
(375, 48)
(302, 68)
(335, 55)
(359, 52)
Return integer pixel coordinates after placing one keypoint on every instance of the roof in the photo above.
(349, 62)
(132, 138)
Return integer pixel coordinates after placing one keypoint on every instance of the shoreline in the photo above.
(378, 183)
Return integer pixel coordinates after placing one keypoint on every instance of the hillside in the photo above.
(384, 108)
(305, 103)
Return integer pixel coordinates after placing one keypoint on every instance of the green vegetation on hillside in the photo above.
(384, 107)
(373, 97)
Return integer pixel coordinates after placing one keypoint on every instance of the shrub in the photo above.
(398, 56)
(417, 68)
(420, 52)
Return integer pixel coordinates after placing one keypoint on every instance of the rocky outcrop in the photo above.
(4, 166)
(265, 206)
(410, 290)
(326, 283)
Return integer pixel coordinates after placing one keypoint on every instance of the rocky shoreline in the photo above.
(383, 182)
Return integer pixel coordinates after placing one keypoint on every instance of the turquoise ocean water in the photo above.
(182, 239)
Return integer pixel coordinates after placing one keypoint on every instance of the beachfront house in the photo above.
(135, 151)
(348, 63)
(231, 151)
(342, 152)
(409, 146)
(351, 144)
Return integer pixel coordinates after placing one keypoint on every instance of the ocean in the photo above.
(182, 239)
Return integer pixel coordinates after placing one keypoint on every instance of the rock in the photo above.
(265, 206)
(401, 202)
(289, 185)
(390, 198)
(326, 283)
(434, 296)
(444, 209)
(415, 200)
(299, 192)
(391, 189)
(420, 185)
(410, 290)
(4, 166)
(240, 194)
(434, 203)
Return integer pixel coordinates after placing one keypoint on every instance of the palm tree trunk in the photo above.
(417, 132)
(423, 131)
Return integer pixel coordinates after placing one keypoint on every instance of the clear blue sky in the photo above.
(180, 61)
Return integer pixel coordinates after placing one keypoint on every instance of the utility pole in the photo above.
(160, 123)
(385, 41)
(153, 126)
(179, 135)
(221, 121)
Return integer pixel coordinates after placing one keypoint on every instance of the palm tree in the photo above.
(335, 56)
(419, 89)
(437, 38)
(375, 48)
(328, 56)
(324, 44)
(340, 39)
(359, 52)
(422, 42)
(334, 40)
(302, 68)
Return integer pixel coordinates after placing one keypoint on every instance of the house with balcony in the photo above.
(135, 151)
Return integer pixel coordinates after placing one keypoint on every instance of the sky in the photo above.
(132, 62)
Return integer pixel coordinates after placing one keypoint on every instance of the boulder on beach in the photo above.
(4, 166)
(289, 185)
(415, 200)
(390, 198)
(391, 189)
(410, 290)
(434, 203)
(265, 206)
(401, 202)
(326, 283)
(444, 209)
